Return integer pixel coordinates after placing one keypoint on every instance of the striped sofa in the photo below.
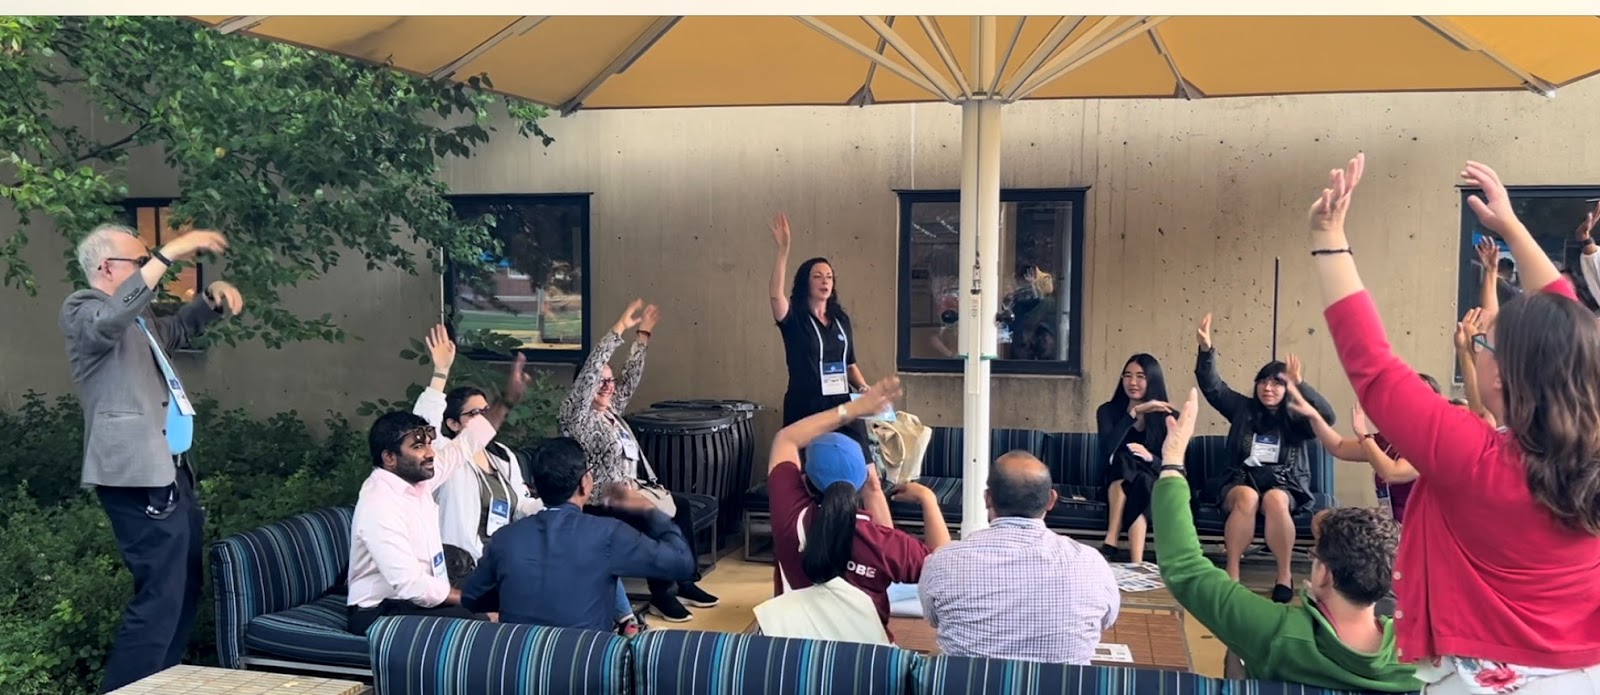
(1075, 463)
(280, 596)
(442, 656)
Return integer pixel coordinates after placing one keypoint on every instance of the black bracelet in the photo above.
(156, 254)
(643, 333)
(1172, 467)
(1332, 252)
(440, 375)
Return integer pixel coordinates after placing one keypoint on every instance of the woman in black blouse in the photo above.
(818, 343)
(1132, 426)
(1269, 456)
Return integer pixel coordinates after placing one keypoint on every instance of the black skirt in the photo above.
(1265, 478)
(1138, 484)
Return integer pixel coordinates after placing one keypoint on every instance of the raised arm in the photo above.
(1589, 257)
(193, 317)
(1223, 399)
(1469, 326)
(776, 291)
(1494, 212)
(1414, 418)
(633, 371)
(1330, 439)
(430, 404)
(1488, 288)
(577, 409)
(790, 440)
(97, 325)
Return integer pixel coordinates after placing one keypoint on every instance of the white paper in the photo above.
(1137, 577)
(1113, 652)
(904, 601)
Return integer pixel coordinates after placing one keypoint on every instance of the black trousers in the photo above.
(363, 618)
(160, 533)
(685, 523)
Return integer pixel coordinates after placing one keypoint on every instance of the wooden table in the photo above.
(1154, 637)
(204, 680)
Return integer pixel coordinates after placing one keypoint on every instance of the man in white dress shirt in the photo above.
(397, 562)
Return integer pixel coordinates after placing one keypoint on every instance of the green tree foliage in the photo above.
(300, 157)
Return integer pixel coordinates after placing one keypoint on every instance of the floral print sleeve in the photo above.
(1482, 677)
(628, 383)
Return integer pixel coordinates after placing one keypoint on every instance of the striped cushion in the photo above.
(702, 510)
(946, 675)
(1075, 462)
(449, 656)
(275, 568)
(314, 633)
(674, 662)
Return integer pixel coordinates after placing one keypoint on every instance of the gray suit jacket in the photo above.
(119, 382)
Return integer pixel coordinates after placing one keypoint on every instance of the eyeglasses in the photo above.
(424, 434)
(608, 381)
(473, 413)
(1480, 342)
(140, 261)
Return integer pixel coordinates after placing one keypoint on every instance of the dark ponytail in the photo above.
(831, 538)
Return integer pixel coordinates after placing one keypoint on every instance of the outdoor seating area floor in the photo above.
(1148, 617)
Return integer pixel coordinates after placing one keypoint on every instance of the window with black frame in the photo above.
(1552, 215)
(536, 291)
(1041, 246)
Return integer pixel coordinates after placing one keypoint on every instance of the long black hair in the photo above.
(831, 537)
(1266, 421)
(454, 402)
(1155, 389)
(800, 291)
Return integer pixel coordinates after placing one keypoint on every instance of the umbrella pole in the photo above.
(980, 277)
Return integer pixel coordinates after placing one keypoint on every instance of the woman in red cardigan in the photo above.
(1498, 573)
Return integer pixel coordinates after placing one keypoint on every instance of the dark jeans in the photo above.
(363, 618)
(685, 524)
(159, 532)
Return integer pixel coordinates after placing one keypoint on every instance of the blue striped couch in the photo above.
(1075, 462)
(442, 656)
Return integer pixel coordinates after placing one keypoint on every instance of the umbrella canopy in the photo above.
(980, 63)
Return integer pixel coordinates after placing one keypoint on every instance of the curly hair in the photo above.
(1357, 546)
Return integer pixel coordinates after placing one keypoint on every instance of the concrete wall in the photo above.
(1188, 204)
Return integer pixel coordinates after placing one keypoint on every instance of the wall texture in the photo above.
(1188, 204)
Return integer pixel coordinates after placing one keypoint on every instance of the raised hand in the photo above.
(1488, 254)
(780, 231)
(1154, 407)
(1203, 334)
(1297, 403)
(1329, 209)
(651, 316)
(1180, 429)
(440, 348)
(1359, 422)
(1586, 228)
(630, 317)
(1138, 450)
(516, 382)
(1493, 207)
(224, 297)
(193, 242)
(1294, 370)
(1470, 325)
(876, 398)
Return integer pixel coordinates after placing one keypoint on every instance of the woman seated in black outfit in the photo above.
(1269, 460)
(1134, 420)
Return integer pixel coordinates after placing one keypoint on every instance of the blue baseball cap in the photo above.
(835, 458)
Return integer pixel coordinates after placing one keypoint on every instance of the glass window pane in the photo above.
(935, 277)
(535, 292)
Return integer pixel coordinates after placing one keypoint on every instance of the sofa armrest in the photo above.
(274, 568)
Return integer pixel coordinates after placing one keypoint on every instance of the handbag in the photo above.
(901, 446)
(654, 491)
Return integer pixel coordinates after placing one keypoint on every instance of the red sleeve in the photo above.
(904, 555)
(1410, 415)
(787, 496)
(1563, 287)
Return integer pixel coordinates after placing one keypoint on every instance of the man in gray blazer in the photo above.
(138, 423)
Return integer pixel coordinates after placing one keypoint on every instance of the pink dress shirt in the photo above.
(394, 537)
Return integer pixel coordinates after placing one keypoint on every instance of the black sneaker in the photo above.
(1109, 552)
(691, 593)
(1282, 594)
(669, 609)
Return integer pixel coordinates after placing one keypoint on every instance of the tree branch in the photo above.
(110, 147)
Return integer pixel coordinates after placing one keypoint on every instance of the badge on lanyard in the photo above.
(835, 375)
(630, 448)
(438, 567)
(499, 516)
(1265, 448)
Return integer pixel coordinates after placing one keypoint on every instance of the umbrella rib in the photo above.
(1000, 68)
(844, 40)
(1185, 89)
(863, 96)
(233, 24)
(921, 64)
(1122, 35)
(941, 45)
(1463, 39)
(640, 44)
(519, 27)
(1052, 42)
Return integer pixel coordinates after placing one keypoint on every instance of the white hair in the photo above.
(100, 245)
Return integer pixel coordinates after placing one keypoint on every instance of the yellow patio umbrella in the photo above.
(980, 63)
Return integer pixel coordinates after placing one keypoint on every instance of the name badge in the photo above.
(630, 449)
(499, 516)
(180, 397)
(834, 380)
(1265, 448)
(439, 571)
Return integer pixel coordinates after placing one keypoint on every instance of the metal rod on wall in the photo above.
(1275, 276)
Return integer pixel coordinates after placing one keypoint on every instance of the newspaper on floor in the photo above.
(1136, 577)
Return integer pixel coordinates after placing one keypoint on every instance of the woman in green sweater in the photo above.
(1333, 639)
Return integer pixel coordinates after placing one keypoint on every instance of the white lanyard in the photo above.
(822, 348)
(835, 381)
